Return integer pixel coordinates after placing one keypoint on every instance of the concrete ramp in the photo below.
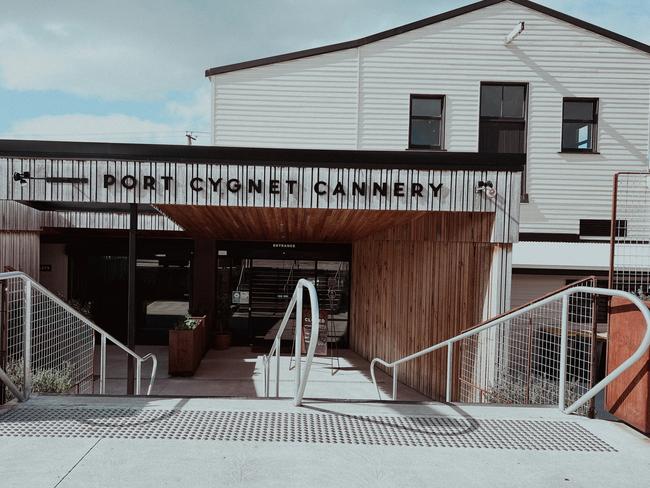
(110, 441)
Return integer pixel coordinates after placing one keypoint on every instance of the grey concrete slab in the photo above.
(238, 372)
(156, 462)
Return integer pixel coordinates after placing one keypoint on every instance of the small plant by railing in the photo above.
(44, 380)
(517, 388)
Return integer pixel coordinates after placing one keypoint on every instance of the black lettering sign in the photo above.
(129, 182)
(234, 185)
(194, 184)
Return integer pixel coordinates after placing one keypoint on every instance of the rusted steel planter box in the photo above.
(628, 397)
(186, 349)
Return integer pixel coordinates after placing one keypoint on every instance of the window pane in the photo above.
(513, 101)
(491, 100)
(577, 135)
(502, 137)
(428, 107)
(425, 132)
(579, 110)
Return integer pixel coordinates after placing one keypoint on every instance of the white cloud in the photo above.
(98, 128)
(195, 113)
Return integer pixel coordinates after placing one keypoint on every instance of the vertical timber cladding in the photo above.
(420, 283)
(268, 185)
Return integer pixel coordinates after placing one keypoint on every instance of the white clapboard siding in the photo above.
(451, 58)
(311, 103)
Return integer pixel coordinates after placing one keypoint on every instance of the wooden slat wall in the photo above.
(420, 283)
(21, 251)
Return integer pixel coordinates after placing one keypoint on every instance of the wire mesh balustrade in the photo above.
(519, 361)
(47, 346)
(630, 243)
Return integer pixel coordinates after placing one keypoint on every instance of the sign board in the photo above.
(240, 297)
(321, 346)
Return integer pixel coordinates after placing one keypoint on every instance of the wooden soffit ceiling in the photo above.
(284, 224)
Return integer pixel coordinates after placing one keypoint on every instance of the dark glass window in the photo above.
(502, 127)
(426, 122)
(579, 124)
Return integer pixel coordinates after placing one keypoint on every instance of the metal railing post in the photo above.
(563, 351)
(395, 371)
(298, 337)
(277, 367)
(138, 375)
(27, 340)
(102, 365)
(450, 359)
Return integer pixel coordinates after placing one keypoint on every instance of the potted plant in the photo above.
(186, 345)
(628, 397)
(222, 335)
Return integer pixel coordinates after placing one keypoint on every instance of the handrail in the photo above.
(300, 378)
(573, 284)
(103, 337)
(562, 293)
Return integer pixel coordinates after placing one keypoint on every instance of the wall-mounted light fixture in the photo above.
(487, 187)
(25, 175)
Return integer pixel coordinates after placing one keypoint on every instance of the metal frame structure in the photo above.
(47, 334)
(629, 264)
(564, 295)
(300, 376)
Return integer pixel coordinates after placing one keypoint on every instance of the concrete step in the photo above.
(148, 441)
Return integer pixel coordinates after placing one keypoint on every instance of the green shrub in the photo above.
(186, 323)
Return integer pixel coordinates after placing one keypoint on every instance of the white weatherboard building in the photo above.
(495, 76)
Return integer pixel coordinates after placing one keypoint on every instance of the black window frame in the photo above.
(439, 147)
(594, 130)
(506, 120)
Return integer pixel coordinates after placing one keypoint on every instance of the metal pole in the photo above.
(27, 337)
(138, 375)
(102, 365)
(298, 337)
(4, 323)
(395, 371)
(563, 351)
(277, 367)
(133, 227)
(450, 367)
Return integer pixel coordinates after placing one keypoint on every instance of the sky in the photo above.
(133, 71)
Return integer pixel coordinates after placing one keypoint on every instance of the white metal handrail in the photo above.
(564, 295)
(30, 284)
(301, 377)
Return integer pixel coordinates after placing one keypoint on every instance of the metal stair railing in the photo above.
(300, 376)
(562, 294)
(44, 335)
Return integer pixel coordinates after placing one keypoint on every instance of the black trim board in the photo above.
(341, 46)
(335, 158)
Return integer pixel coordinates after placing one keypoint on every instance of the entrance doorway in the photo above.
(256, 282)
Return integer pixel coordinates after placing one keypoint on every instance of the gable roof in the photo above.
(423, 23)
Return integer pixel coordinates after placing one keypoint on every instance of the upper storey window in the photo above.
(426, 122)
(579, 124)
(502, 125)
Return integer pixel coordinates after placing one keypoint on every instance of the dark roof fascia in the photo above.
(334, 158)
(341, 46)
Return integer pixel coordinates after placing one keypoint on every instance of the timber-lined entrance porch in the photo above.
(415, 247)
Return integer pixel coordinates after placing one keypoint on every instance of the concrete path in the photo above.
(237, 372)
(170, 442)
